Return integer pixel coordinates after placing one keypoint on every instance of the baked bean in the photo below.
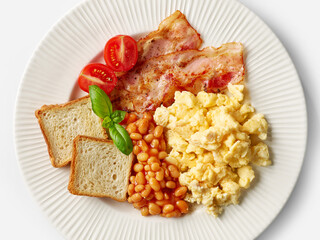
(160, 175)
(162, 155)
(155, 143)
(137, 122)
(172, 168)
(167, 208)
(155, 188)
(180, 191)
(171, 184)
(158, 131)
(183, 206)
(153, 152)
(137, 205)
(131, 128)
(144, 163)
(140, 204)
(131, 189)
(175, 213)
(150, 197)
(166, 173)
(148, 138)
(131, 118)
(151, 174)
(139, 188)
(152, 159)
(142, 157)
(154, 184)
(147, 190)
(136, 197)
(136, 150)
(161, 203)
(178, 213)
(133, 179)
(174, 172)
(168, 178)
(135, 136)
(151, 127)
(155, 167)
(143, 145)
(148, 187)
(143, 126)
(154, 209)
(138, 167)
(147, 115)
(163, 145)
(162, 183)
(166, 196)
(147, 168)
(159, 195)
(140, 179)
(145, 211)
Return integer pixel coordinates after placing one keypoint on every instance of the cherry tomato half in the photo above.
(97, 74)
(121, 53)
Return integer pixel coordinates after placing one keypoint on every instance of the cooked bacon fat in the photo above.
(174, 34)
(154, 82)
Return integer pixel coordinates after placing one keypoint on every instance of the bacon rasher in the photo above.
(174, 34)
(154, 82)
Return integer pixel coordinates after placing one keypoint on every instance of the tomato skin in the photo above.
(121, 53)
(97, 74)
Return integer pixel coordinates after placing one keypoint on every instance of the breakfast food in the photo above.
(182, 131)
(99, 169)
(146, 87)
(121, 53)
(213, 138)
(99, 75)
(174, 34)
(60, 124)
(155, 187)
(102, 107)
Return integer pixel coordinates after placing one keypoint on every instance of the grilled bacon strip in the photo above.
(154, 82)
(174, 34)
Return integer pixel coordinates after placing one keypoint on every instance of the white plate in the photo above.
(79, 37)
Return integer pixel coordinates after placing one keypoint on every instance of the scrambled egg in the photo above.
(213, 138)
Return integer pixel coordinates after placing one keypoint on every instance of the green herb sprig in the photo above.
(102, 107)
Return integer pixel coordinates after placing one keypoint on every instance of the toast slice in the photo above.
(60, 124)
(99, 169)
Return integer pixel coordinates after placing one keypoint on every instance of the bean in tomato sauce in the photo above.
(154, 183)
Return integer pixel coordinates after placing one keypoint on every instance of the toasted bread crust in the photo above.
(38, 114)
(72, 178)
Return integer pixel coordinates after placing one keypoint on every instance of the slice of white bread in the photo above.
(99, 169)
(60, 124)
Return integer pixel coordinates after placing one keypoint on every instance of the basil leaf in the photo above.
(117, 116)
(107, 122)
(101, 104)
(121, 138)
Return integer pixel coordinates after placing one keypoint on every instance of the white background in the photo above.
(24, 23)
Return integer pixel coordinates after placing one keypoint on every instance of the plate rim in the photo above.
(83, 4)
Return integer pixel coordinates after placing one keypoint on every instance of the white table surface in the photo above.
(24, 24)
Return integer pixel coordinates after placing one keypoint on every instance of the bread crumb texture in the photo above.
(101, 170)
(63, 124)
